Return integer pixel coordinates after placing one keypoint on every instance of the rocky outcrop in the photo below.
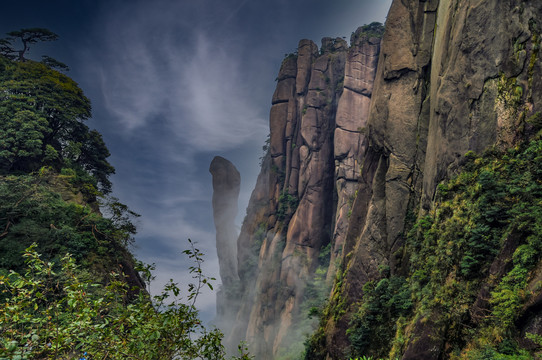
(302, 124)
(226, 186)
(303, 196)
(442, 89)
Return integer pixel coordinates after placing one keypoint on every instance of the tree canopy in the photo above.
(43, 113)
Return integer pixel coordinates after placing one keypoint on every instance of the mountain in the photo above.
(401, 184)
(297, 216)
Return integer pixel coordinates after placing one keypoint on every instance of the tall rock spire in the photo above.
(226, 185)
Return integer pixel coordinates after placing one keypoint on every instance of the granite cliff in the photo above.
(355, 190)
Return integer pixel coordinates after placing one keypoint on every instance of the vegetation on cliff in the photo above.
(473, 268)
(475, 257)
(54, 173)
(50, 313)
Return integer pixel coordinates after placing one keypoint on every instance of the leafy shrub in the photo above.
(61, 314)
(287, 205)
(371, 328)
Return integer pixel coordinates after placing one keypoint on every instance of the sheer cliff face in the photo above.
(305, 191)
(438, 94)
(302, 124)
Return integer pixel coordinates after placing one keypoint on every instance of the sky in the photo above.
(174, 83)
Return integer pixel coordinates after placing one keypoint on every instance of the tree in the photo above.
(54, 63)
(55, 109)
(26, 37)
(21, 139)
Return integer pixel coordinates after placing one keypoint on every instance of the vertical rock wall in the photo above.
(351, 128)
(353, 162)
(305, 190)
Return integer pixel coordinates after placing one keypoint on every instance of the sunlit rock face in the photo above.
(351, 129)
(304, 193)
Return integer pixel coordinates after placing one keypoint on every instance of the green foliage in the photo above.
(266, 149)
(287, 205)
(367, 31)
(536, 120)
(42, 114)
(22, 139)
(510, 92)
(62, 314)
(48, 209)
(495, 201)
(372, 327)
(311, 313)
(247, 267)
(489, 353)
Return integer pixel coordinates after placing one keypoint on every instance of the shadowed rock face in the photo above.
(226, 186)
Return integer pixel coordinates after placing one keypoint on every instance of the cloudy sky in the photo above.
(174, 83)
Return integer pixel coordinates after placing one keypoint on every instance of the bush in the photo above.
(60, 315)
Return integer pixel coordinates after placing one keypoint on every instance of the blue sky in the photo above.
(174, 83)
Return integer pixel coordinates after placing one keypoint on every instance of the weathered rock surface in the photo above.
(351, 128)
(317, 119)
(435, 98)
(302, 123)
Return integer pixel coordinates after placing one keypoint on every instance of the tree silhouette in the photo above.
(26, 37)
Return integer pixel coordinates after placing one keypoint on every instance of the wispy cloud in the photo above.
(192, 83)
(216, 99)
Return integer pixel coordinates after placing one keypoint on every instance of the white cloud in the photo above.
(215, 99)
